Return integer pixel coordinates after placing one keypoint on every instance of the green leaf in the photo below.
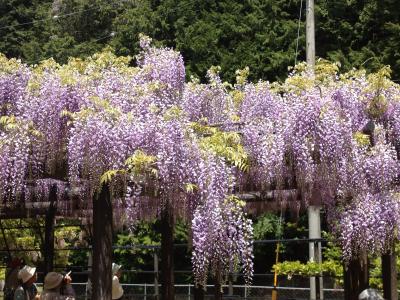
(140, 163)
(190, 187)
(109, 175)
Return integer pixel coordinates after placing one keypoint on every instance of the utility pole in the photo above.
(310, 33)
(314, 220)
(314, 232)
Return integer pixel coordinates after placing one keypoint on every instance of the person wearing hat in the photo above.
(117, 291)
(57, 287)
(370, 294)
(27, 289)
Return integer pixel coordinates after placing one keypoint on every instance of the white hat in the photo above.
(115, 268)
(26, 273)
(117, 290)
(369, 294)
(52, 280)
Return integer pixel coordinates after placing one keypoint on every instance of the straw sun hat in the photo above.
(52, 280)
(26, 273)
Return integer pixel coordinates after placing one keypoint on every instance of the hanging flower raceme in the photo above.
(265, 130)
(164, 68)
(210, 103)
(101, 142)
(364, 170)
(14, 77)
(221, 232)
(15, 141)
(369, 224)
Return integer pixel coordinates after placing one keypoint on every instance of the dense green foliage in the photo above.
(28, 237)
(25, 239)
(260, 34)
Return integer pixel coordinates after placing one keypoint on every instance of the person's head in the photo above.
(369, 294)
(27, 275)
(53, 280)
(116, 270)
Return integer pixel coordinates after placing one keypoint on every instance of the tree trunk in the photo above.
(156, 272)
(102, 245)
(167, 253)
(356, 277)
(389, 275)
(48, 247)
(217, 286)
(198, 293)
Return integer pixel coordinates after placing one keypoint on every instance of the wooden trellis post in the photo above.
(156, 292)
(356, 277)
(198, 293)
(217, 285)
(389, 275)
(167, 253)
(102, 245)
(48, 247)
(5, 241)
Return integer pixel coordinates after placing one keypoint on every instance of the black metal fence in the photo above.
(140, 284)
(185, 292)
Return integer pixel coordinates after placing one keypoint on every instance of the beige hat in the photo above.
(26, 273)
(117, 290)
(115, 268)
(52, 280)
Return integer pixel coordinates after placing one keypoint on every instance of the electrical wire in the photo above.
(93, 7)
(55, 17)
(111, 34)
(298, 32)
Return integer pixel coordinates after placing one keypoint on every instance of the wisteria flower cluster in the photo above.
(162, 143)
(73, 125)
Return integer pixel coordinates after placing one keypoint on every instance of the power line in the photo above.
(93, 7)
(298, 32)
(32, 62)
(110, 35)
(55, 17)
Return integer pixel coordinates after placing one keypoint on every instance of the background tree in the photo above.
(261, 34)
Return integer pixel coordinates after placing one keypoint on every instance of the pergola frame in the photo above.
(101, 238)
(356, 274)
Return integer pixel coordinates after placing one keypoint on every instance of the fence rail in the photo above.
(185, 292)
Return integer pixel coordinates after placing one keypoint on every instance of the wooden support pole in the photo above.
(230, 285)
(217, 285)
(89, 285)
(49, 227)
(167, 253)
(198, 293)
(102, 245)
(389, 275)
(356, 277)
(6, 242)
(156, 292)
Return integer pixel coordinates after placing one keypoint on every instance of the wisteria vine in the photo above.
(193, 146)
